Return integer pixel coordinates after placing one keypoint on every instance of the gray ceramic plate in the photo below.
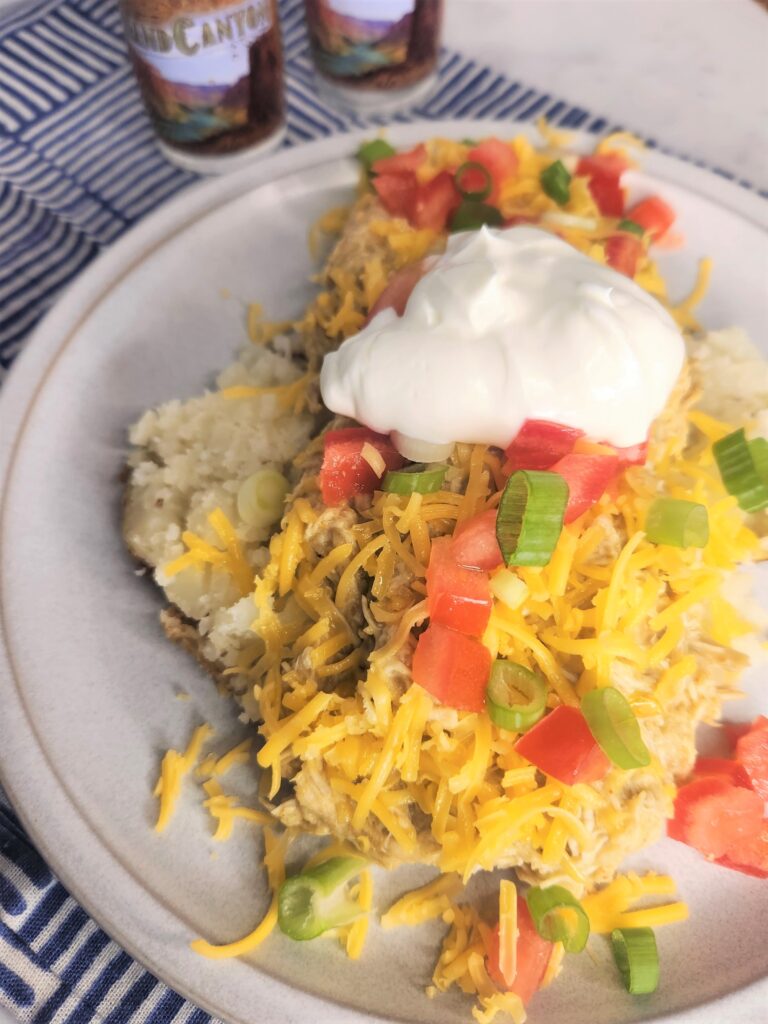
(88, 684)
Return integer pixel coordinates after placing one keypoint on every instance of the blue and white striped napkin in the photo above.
(78, 166)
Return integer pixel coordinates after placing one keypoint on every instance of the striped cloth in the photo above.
(78, 166)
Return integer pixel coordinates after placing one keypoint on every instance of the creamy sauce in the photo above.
(508, 325)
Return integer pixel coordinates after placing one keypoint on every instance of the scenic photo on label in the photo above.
(368, 41)
(209, 72)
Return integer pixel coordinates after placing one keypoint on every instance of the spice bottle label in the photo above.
(210, 72)
(374, 42)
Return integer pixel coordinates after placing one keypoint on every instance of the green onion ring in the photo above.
(316, 900)
(637, 958)
(516, 697)
(613, 724)
(473, 165)
(682, 524)
(758, 449)
(530, 518)
(741, 478)
(558, 916)
(472, 215)
(556, 182)
(418, 479)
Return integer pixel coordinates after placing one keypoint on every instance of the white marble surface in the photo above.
(691, 73)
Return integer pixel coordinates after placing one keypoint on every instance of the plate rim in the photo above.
(37, 361)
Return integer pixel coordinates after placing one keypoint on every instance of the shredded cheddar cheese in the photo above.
(174, 768)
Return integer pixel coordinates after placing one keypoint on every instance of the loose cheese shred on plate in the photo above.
(611, 907)
(174, 768)
(274, 861)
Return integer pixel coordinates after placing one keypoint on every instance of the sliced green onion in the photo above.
(261, 498)
(683, 524)
(613, 724)
(637, 958)
(310, 903)
(530, 518)
(469, 142)
(485, 191)
(758, 449)
(372, 151)
(418, 478)
(558, 916)
(632, 227)
(556, 181)
(472, 215)
(741, 477)
(515, 696)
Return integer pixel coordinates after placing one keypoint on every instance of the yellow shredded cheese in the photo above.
(508, 933)
(174, 768)
(611, 907)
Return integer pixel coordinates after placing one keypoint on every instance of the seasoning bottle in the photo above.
(375, 56)
(211, 76)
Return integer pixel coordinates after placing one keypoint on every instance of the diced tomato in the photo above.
(622, 252)
(540, 444)
(533, 955)
(474, 543)
(453, 667)
(604, 172)
(610, 165)
(752, 751)
(499, 159)
(457, 597)
(587, 477)
(716, 817)
(562, 746)
(608, 194)
(435, 202)
(653, 214)
(399, 162)
(398, 290)
(344, 471)
(397, 192)
(721, 768)
(751, 857)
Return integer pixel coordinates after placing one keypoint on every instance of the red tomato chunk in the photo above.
(533, 955)
(654, 215)
(587, 477)
(397, 192)
(752, 752)
(751, 857)
(474, 543)
(562, 746)
(435, 202)
(344, 471)
(604, 173)
(623, 252)
(453, 667)
(716, 817)
(721, 768)
(457, 597)
(540, 444)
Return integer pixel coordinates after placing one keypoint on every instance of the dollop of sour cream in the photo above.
(509, 325)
